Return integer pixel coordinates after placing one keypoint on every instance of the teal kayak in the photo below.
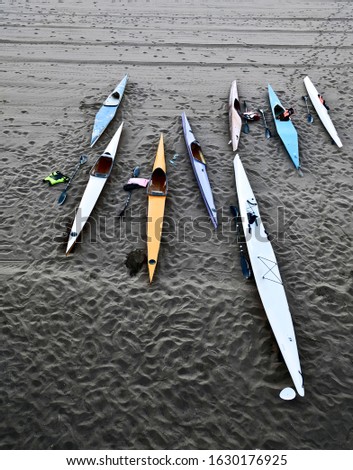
(285, 129)
(108, 110)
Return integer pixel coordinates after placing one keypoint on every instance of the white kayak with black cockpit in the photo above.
(267, 276)
(322, 111)
(99, 175)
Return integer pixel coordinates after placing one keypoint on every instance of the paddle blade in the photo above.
(62, 198)
(234, 210)
(83, 159)
(310, 119)
(245, 267)
(126, 204)
(246, 128)
(267, 133)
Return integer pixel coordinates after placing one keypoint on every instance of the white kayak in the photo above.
(267, 276)
(234, 116)
(97, 179)
(321, 111)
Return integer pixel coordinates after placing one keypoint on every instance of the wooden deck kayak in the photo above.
(157, 194)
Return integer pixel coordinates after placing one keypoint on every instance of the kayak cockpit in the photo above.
(278, 111)
(102, 167)
(236, 105)
(158, 185)
(197, 152)
(113, 99)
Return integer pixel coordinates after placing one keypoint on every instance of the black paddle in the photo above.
(246, 128)
(130, 188)
(267, 130)
(310, 119)
(244, 263)
(63, 195)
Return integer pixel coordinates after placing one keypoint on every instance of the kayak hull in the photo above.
(200, 170)
(157, 194)
(94, 188)
(90, 196)
(322, 112)
(267, 276)
(285, 129)
(108, 110)
(235, 121)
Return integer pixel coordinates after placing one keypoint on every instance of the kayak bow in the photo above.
(108, 110)
(99, 174)
(199, 166)
(157, 194)
(267, 276)
(285, 129)
(322, 111)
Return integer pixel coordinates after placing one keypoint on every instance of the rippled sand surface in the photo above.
(93, 358)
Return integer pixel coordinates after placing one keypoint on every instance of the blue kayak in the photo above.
(108, 110)
(285, 129)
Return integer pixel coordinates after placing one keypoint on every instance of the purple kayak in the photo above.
(199, 166)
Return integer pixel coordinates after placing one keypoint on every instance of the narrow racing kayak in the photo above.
(322, 111)
(199, 166)
(157, 194)
(285, 129)
(267, 276)
(99, 174)
(234, 116)
(108, 110)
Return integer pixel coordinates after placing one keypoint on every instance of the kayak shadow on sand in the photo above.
(135, 260)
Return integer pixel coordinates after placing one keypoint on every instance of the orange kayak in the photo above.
(157, 193)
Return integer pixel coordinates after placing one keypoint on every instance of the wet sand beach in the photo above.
(93, 358)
